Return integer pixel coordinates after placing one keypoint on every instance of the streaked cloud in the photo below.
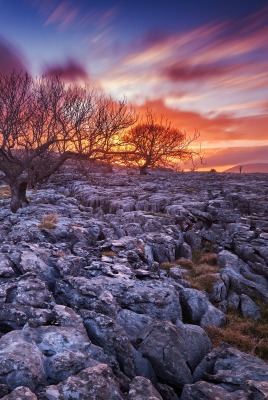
(226, 60)
(63, 15)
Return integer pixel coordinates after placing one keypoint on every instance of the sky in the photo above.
(202, 64)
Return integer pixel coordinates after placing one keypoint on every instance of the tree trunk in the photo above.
(143, 169)
(18, 195)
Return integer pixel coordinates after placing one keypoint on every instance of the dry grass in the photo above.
(208, 258)
(167, 265)
(202, 282)
(5, 192)
(202, 269)
(200, 276)
(49, 221)
(243, 333)
(108, 253)
(59, 254)
(185, 263)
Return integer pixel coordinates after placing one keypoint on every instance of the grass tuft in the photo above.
(49, 221)
(245, 334)
(5, 192)
(108, 253)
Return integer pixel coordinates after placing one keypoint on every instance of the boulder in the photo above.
(141, 388)
(256, 390)
(97, 382)
(106, 333)
(21, 393)
(133, 323)
(164, 346)
(207, 391)
(249, 309)
(197, 309)
(21, 362)
(231, 368)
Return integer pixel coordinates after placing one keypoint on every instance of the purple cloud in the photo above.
(69, 71)
(183, 72)
(10, 58)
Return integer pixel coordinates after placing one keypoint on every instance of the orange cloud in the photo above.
(219, 128)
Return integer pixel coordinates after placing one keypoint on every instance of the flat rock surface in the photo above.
(97, 306)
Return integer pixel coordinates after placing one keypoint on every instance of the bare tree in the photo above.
(44, 122)
(155, 143)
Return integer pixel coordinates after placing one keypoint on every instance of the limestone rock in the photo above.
(207, 391)
(97, 382)
(21, 393)
(21, 362)
(141, 388)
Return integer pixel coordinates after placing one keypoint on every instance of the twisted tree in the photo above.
(43, 122)
(154, 142)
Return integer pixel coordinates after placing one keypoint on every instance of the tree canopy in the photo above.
(154, 142)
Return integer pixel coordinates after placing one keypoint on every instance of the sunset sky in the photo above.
(203, 64)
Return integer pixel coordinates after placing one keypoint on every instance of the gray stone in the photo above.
(21, 362)
(185, 251)
(97, 382)
(21, 393)
(164, 346)
(167, 392)
(207, 391)
(31, 291)
(233, 300)
(6, 267)
(249, 309)
(197, 342)
(91, 294)
(219, 292)
(256, 390)
(228, 259)
(55, 339)
(233, 368)
(141, 388)
(197, 309)
(213, 317)
(134, 324)
(105, 332)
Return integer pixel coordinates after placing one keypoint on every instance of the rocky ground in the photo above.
(97, 299)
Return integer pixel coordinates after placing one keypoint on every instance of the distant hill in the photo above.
(250, 168)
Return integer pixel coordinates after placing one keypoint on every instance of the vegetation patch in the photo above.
(5, 192)
(165, 266)
(49, 221)
(243, 333)
(202, 271)
(108, 253)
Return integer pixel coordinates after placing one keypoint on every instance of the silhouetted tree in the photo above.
(155, 143)
(43, 122)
